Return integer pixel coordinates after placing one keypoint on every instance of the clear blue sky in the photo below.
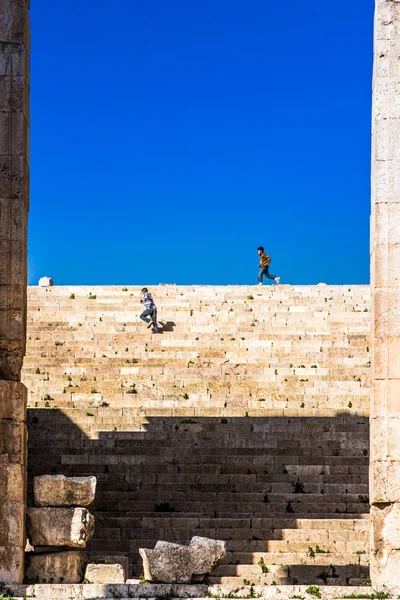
(170, 139)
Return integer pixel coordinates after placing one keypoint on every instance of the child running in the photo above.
(150, 310)
(265, 261)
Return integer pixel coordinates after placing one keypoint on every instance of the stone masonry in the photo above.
(385, 280)
(14, 204)
(245, 420)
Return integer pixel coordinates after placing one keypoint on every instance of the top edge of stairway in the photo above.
(207, 286)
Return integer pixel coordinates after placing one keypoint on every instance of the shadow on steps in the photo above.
(288, 494)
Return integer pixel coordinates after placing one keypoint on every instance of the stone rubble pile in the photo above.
(60, 521)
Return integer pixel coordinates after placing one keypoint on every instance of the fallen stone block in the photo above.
(173, 563)
(58, 567)
(105, 573)
(71, 527)
(58, 490)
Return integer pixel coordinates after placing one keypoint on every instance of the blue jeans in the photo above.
(264, 272)
(152, 313)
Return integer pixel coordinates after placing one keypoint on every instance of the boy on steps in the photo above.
(265, 261)
(150, 310)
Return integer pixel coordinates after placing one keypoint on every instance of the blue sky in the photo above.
(170, 139)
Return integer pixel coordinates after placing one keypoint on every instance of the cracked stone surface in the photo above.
(174, 563)
(71, 527)
(58, 490)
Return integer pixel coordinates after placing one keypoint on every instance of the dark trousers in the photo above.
(264, 272)
(152, 313)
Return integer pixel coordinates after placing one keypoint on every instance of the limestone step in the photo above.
(235, 590)
(247, 415)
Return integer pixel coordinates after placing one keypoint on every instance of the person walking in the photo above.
(265, 261)
(149, 315)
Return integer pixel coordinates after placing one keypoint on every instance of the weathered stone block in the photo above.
(58, 490)
(105, 573)
(58, 567)
(11, 563)
(71, 527)
(13, 401)
(385, 554)
(173, 563)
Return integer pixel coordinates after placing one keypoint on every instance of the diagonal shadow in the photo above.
(272, 487)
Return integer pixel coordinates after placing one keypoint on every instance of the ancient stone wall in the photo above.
(14, 204)
(245, 420)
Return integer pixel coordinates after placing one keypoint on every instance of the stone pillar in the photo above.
(14, 205)
(385, 282)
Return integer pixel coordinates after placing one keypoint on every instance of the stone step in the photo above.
(250, 395)
(135, 590)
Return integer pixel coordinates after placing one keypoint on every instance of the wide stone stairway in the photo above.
(245, 419)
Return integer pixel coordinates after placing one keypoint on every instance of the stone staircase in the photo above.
(246, 420)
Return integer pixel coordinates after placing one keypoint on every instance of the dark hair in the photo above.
(144, 290)
(261, 248)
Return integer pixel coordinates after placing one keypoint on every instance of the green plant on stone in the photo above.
(72, 297)
(298, 487)
(311, 553)
(363, 499)
(91, 296)
(376, 595)
(263, 566)
(289, 508)
(314, 590)
(186, 396)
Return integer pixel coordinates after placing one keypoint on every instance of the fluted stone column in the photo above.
(14, 204)
(385, 282)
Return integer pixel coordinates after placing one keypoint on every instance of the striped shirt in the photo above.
(148, 301)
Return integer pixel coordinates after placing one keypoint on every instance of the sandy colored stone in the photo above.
(71, 527)
(173, 563)
(58, 567)
(58, 490)
(105, 573)
(385, 283)
(124, 438)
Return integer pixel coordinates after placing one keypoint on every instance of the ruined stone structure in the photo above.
(288, 465)
(246, 420)
(14, 204)
(385, 280)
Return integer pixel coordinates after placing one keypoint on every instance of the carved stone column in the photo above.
(385, 282)
(14, 205)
